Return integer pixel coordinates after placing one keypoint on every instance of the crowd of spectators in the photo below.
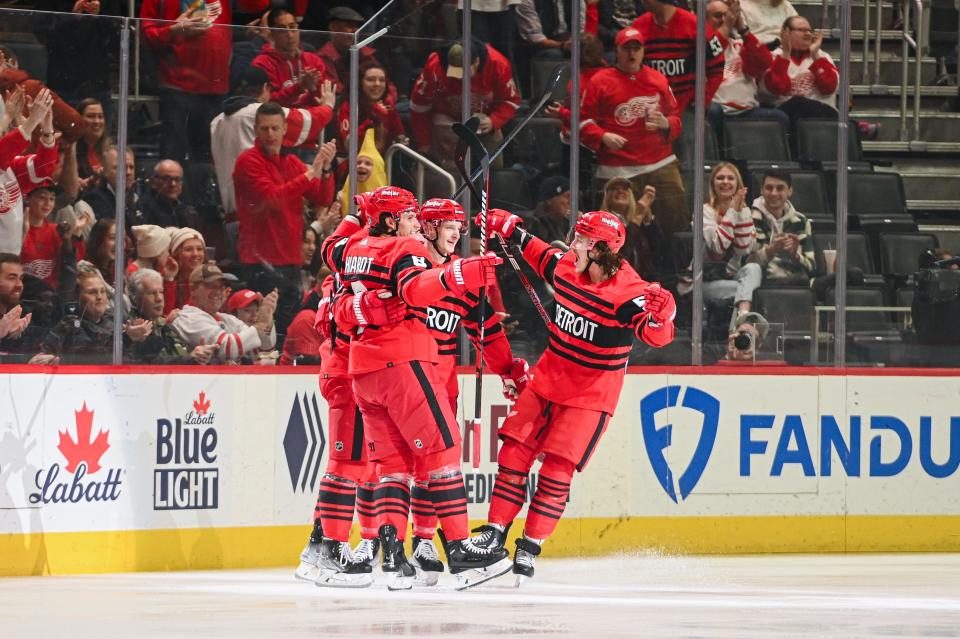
(241, 89)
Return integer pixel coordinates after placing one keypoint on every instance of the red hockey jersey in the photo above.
(395, 264)
(671, 49)
(618, 102)
(593, 330)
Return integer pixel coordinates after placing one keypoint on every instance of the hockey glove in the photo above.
(471, 274)
(660, 304)
(362, 204)
(321, 325)
(379, 308)
(500, 221)
(515, 380)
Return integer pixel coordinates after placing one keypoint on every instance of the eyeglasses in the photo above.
(169, 179)
(802, 30)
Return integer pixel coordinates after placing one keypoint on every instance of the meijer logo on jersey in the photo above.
(186, 449)
(769, 444)
(83, 454)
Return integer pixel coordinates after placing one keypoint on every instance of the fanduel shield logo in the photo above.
(656, 439)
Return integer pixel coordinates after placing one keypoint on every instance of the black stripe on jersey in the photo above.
(379, 269)
(612, 357)
(417, 262)
(584, 294)
(381, 282)
(432, 403)
(562, 295)
(356, 450)
(492, 329)
(683, 41)
(629, 311)
(593, 442)
(579, 361)
(335, 255)
(464, 304)
(550, 268)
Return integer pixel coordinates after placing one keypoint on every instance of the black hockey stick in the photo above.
(534, 110)
(466, 140)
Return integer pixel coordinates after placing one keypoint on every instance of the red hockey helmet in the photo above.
(438, 210)
(390, 200)
(602, 227)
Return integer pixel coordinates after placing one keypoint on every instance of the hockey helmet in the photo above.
(602, 227)
(389, 200)
(438, 210)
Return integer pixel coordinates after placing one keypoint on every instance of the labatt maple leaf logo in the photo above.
(202, 404)
(83, 449)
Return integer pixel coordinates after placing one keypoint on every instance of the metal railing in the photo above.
(422, 163)
(918, 45)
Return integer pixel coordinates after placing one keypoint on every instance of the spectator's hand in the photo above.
(548, 43)
(328, 218)
(785, 43)
(310, 79)
(515, 380)
(138, 329)
(87, 6)
(735, 18)
(325, 155)
(12, 324)
(38, 109)
(739, 199)
(816, 44)
(172, 315)
(553, 110)
(328, 94)
(264, 318)
(499, 221)
(190, 26)
(613, 141)
(656, 121)
(645, 204)
(13, 108)
(256, 28)
(486, 124)
(203, 353)
(169, 268)
(84, 183)
(44, 359)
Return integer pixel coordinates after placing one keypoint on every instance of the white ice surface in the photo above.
(647, 595)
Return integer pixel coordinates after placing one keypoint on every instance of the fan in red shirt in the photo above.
(46, 248)
(630, 117)
(406, 414)
(377, 109)
(671, 36)
(295, 75)
(602, 305)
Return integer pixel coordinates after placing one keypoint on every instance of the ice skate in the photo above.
(524, 558)
(310, 557)
(473, 564)
(427, 562)
(337, 567)
(395, 561)
(491, 536)
(368, 552)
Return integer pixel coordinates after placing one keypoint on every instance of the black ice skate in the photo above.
(490, 536)
(473, 564)
(310, 557)
(394, 560)
(338, 568)
(427, 562)
(524, 558)
(368, 552)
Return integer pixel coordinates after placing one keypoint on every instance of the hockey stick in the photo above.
(542, 102)
(467, 141)
(464, 131)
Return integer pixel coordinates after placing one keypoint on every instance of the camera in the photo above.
(743, 341)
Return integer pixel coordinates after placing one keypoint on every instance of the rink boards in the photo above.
(147, 470)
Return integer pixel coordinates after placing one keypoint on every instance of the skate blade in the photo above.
(521, 579)
(425, 579)
(400, 582)
(334, 579)
(306, 572)
(476, 576)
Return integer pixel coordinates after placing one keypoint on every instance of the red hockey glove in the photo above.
(362, 201)
(471, 274)
(379, 308)
(515, 380)
(499, 221)
(660, 304)
(321, 324)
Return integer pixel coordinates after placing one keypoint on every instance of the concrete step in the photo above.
(881, 147)
(935, 126)
(929, 189)
(890, 68)
(884, 96)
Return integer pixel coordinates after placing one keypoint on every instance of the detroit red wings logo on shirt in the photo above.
(9, 194)
(636, 108)
(214, 10)
(803, 84)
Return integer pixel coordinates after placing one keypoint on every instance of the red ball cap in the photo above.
(629, 35)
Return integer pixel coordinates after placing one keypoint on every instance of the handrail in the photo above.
(917, 44)
(422, 161)
(865, 67)
(876, 41)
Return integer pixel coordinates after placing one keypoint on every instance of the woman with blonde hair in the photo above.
(644, 245)
(729, 237)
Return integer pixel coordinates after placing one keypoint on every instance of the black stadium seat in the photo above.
(900, 253)
(755, 141)
(816, 140)
(508, 190)
(858, 255)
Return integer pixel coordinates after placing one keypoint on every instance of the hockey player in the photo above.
(350, 478)
(442, 223)
(406, 414)
(601, 305)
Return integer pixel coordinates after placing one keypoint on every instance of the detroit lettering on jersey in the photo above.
(669, 68)
(574, 324)
(442, 320)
